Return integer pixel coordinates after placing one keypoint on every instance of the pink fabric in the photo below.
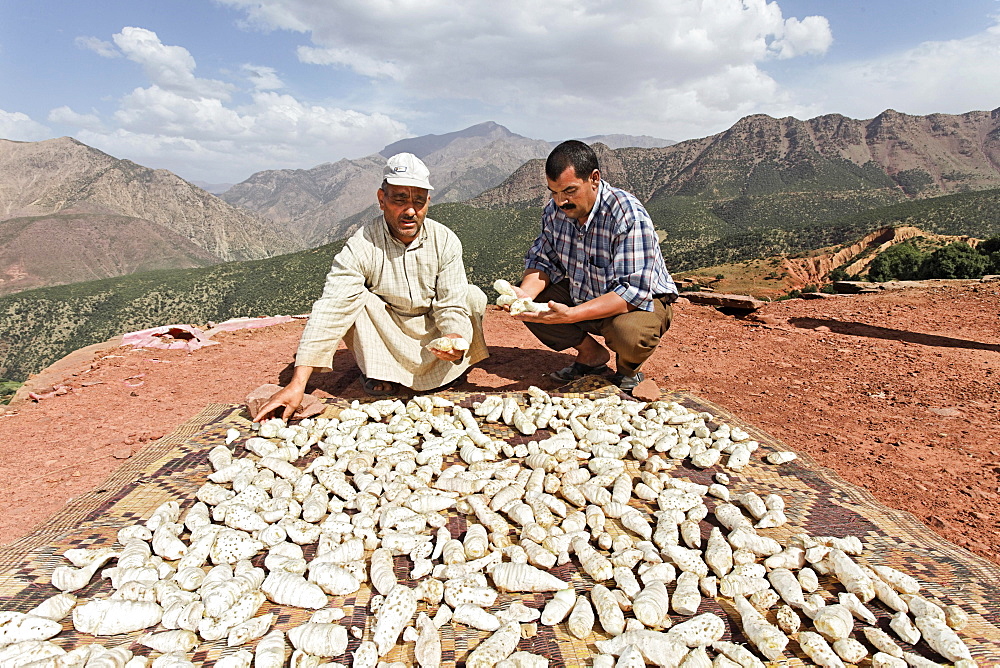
(171, 337)
(188, 337)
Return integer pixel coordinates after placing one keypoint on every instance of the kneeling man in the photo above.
(597, 263)
(398, 284)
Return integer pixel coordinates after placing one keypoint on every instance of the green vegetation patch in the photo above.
(7, 390)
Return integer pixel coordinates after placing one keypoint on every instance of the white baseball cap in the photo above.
(406, 169)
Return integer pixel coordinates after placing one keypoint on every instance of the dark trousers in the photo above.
(633, 336)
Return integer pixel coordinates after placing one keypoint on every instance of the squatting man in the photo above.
(398, 284)
(597, 264)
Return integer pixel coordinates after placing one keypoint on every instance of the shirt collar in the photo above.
(598, 203)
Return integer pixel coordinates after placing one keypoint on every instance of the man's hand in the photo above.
(558, 314)
(450, 355)
(521, 294)
(605, 306)
(289, 397)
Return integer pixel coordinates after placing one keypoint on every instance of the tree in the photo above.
(901, 262)
(989, 246)
(991, 249)
(994, 263)
(957, 260)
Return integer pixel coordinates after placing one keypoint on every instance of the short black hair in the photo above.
(571, 153)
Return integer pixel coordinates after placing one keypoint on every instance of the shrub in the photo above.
(957, 260)
(7, 390)
(989, 246)
(838, 274)
(812, 287)
(900, 262)
(912, 181)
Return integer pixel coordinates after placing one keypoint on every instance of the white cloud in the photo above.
(360, 63)
(18, 126)
(65, 115)
(205, 139)
(207, 129)
(263, 77)
(558, 65)
(169, 67)
(811, 35)
(951, 76)
(98, 46)
(154, 110)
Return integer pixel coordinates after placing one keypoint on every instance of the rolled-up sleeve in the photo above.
(542, 255)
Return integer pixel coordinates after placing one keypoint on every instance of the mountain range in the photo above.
(69, 212)
(324, 203)
(38, 327)
(762, 187)
(915, 156)
(768, 186)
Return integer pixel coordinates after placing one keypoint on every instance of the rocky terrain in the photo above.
(323, 203)
(913, 156)
(76, 245)
(49, 177)
(897, 392)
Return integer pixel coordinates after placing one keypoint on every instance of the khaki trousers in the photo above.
(633, 336)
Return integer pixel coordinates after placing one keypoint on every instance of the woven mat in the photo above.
(817, 502)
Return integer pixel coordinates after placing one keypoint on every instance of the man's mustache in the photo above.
(567, 207)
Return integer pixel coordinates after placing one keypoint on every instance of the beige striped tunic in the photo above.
(387, 301)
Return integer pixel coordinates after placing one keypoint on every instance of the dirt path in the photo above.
(897, 392)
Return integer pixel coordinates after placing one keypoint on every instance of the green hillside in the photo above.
(700, 234)
(39, 326)
(494, 241)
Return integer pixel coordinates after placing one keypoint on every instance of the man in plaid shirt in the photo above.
(597, 263)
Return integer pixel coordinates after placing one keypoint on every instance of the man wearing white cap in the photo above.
(398, 283)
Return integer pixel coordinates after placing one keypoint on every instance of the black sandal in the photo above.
(389, 388)
(628, 383)
(577, 370)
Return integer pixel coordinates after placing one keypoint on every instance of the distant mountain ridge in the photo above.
(325, 202)
(911, 156)
(76, 245)
(39, 326)
(627, 141)
(47, 177)
(214, 188)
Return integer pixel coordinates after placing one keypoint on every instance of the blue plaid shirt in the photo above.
(615, 251)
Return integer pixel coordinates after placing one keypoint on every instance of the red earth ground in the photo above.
(897, 392)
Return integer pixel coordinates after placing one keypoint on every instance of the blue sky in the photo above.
(215, 90)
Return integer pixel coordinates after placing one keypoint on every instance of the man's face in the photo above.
(575, 195)
(405, 208)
